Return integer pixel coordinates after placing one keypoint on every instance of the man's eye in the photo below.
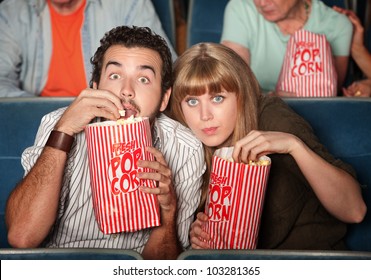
(114, 76)
(143, 80)
(192, 102)
(218, 99)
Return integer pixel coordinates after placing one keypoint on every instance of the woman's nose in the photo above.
(206, 114)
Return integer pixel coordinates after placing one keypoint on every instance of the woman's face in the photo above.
(212, 118)
(276, 10)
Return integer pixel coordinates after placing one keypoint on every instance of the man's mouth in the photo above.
(129, 113)
(130, 110)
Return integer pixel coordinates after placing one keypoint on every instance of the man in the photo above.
(52, 205)
(42, 40)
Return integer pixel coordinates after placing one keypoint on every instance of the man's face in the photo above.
(134, 75)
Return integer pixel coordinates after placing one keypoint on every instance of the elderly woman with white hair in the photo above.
(259, 30)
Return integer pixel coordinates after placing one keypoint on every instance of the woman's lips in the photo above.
(209, 130)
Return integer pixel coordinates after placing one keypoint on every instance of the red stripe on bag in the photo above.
(239, 229)
(119, 207)
(308, 69)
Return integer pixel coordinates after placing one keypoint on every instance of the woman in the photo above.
(310, 194)
(361, 56)
(259, 31)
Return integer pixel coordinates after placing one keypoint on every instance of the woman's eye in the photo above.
(218, 98)
(143, 80)
(114, 76)
(192, 102)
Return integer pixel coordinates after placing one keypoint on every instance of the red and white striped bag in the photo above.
(235, 202)
(113, 151)
(308, 69)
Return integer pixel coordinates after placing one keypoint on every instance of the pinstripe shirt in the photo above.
(76, 225)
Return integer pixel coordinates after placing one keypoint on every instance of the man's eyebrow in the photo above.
(115, 63)
(141, 67)
(145, 67)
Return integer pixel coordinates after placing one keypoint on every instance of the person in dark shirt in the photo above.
(310, 195)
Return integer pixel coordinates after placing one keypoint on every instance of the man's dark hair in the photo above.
(133, 37)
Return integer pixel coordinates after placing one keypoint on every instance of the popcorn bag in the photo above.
(113, 152)
(235, 201)
(308, 68)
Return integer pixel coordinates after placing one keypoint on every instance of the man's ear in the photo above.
(165, 100)
(95, 86)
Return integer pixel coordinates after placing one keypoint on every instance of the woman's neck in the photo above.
(296, 19)
(66, 7)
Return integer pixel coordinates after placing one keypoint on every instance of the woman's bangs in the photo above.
(206, 79)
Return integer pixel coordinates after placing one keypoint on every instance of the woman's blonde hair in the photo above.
(213, 68)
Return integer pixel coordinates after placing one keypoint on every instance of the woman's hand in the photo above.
(358, 89)
(261, 143)
(199, 238)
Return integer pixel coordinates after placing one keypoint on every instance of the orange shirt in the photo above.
(66, 72)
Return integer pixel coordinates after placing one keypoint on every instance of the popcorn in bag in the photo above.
(235, 201)
(308, 68)
(113, 151)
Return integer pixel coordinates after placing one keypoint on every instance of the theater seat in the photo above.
(19, 121)
(272, 255)
(68, 254)
(166, 12)
(205, 21)
(342, 125)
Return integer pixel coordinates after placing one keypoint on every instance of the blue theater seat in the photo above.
(166, 12)
(342, 124)
(68, 254)
(19, 121)
(272, 255)
(205, 21)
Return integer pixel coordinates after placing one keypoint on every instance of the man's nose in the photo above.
(127, 90)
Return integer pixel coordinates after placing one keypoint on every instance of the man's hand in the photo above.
(162, 174)
(89, 104)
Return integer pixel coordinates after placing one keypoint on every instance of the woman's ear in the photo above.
(165, 100)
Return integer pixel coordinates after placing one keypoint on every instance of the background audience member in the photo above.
(310, 195)
(52, 206)
(46, 45)
(259, 31)
(361, 56)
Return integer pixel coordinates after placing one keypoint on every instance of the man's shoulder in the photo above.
(176, 132)
(15, 6)
(53, 116)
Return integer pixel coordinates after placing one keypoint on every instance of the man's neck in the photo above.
(66, 7)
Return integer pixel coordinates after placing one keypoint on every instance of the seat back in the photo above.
(68, 254)
(19, 121)
(272, 255)
(344, 126)
(166, 12)
(339, 3)
(205, 21)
